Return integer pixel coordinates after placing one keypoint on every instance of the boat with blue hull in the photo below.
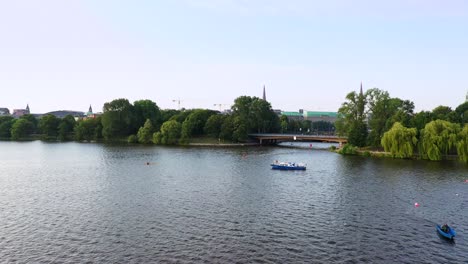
(447, 232)
(288, 166)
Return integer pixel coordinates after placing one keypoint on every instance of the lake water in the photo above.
(79, 203)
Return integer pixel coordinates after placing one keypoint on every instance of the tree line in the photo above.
(375, 119)
(144, 122)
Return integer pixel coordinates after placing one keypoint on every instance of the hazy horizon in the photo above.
(64, 55)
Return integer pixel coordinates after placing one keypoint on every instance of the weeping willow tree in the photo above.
(437, 139)
(462, 144)
(400, 141)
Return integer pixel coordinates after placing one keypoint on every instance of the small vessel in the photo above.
(288, 166)
(449, 232)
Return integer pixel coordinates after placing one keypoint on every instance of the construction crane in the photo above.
(178, 103)
(220, 106)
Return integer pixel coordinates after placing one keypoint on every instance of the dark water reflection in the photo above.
(73, 203)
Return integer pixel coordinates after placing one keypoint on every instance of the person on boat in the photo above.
(445, 228)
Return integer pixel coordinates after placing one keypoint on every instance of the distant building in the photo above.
(264, 94)
(293, 115)
(315, 116)
(20, 112)
(4, 112)
(64, 113)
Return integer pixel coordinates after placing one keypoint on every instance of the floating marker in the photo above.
(416, 205)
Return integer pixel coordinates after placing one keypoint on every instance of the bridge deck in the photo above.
(275, 138)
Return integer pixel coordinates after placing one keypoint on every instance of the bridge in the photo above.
(268, 139)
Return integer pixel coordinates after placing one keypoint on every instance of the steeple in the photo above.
(27, 108)
(264, 94)
(90, 109)
(360, 93)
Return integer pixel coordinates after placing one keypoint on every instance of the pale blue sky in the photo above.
(57, 54)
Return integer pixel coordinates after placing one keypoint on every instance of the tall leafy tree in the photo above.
(6, 122)
(118, 119)
(66, 127)
(445, 113)
(147, 109)
(194, 123)
(21, 128)
(462, 144)
(169, 134)
(145, 133)
(351, 119)
(462, 112)
(437, 139)
(89, 129)
(400, 141)
(214, 124)
(48, 126)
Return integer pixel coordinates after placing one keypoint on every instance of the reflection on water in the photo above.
(74, 203)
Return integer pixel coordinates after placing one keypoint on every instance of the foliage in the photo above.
(462, 112)
(132, 139)
(33, 121)
(420, 120)
(462, 144)
(437, 139)
(144, 110)
(214, 124)
(89, 129)
(21, 128)
(400, 141)
(322, 126)
(194, 123)
(169, 134)
(351, 119)
(284, 122)
(252, 115)
(348, 149)
(445, 113)
(48, 126)
(357, 134)
(227, 129)
(118, 119)
(145, 133)
(6, 122)
(66, 126)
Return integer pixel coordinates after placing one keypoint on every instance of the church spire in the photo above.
(90, 110)
(264, 94)
(27, 108)
(360, 93)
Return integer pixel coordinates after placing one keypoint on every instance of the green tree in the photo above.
(253, 115)
(48, 126)
(420, 119)
(437, 139)
(33, 121)
(145, 133)
(351, 119)
(21, 128)
(284, 123)
(6, 123)
(445, 113)
(227, 129)
(214, 124)
(118, 119)
(194, 124)
(89, 129)
(169, 134)
(400, 141)
(462, 112)
(462, 144)
(147, 109)
(66, 127)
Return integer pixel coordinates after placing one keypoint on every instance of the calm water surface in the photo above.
(79, 203)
